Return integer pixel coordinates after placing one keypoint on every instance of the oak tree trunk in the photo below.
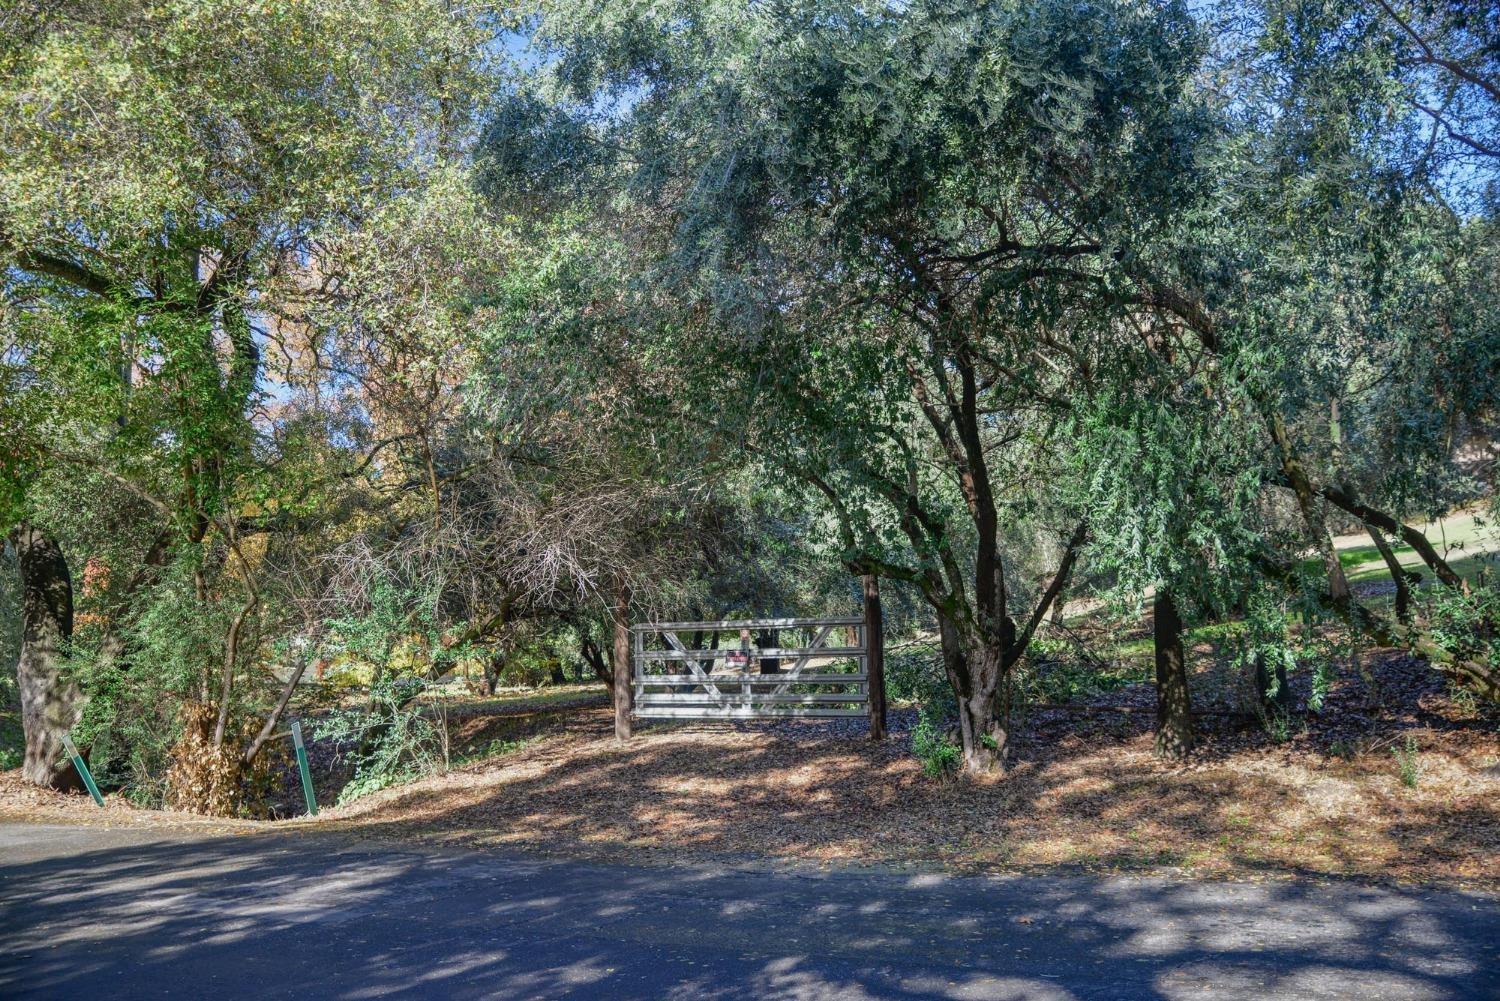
(1174, 711)
(50, 700)
(594, 657)
(494, 665)
(974, 673)
(981, 711)
(1398, 573)
(875, 656)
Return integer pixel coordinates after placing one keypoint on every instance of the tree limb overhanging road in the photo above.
(95, 913)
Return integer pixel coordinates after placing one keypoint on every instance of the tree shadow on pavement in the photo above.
(317, 915)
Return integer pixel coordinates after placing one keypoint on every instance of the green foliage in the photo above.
(1407, 765)
(390, 739)
(130, 726)
(1467, 625)
(12, 737)
(914, 675)
(176, 180)
(370, 631)
(1060, 670)
(939, 756)
(130, 721)
(1266, 641)
(494, 749)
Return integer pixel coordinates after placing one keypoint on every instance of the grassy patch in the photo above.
(524, 698)
(1468, 540)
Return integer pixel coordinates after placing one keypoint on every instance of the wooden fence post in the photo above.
(875, 656)
(624, 684)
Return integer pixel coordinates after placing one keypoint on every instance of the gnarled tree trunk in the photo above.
(982, 711)
(50, 699)
(494, 667)
(1345, 500)
(975, 672)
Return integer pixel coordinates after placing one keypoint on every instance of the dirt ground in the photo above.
(1083, 792)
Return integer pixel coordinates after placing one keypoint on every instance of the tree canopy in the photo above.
(409, 334)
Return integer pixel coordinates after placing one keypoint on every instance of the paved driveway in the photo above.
(94, 913)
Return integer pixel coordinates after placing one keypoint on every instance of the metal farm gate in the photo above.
(809, 667)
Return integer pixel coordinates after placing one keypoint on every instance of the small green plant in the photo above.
(1278, 726)
(939, 755)
(364, 785)
(1406, 762)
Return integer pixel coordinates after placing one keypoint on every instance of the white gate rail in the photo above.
(825, 678)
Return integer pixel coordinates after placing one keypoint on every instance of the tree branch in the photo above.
(1059, 581)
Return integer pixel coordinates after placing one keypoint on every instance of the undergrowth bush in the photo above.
(939, 755)
(390, 739)
(1466, 625)
(1062, 670)
(144, 685)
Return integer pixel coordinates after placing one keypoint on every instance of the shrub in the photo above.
(391, 739)
(1062, 674)
(939, 755)
(1466, 625)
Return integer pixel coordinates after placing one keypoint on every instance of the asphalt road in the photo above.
(93, 913)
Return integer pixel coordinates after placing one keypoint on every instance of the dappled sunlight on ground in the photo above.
(1083, 791)
(1242, 807)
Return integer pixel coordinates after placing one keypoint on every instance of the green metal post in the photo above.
(307, 786)
(83, 769)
